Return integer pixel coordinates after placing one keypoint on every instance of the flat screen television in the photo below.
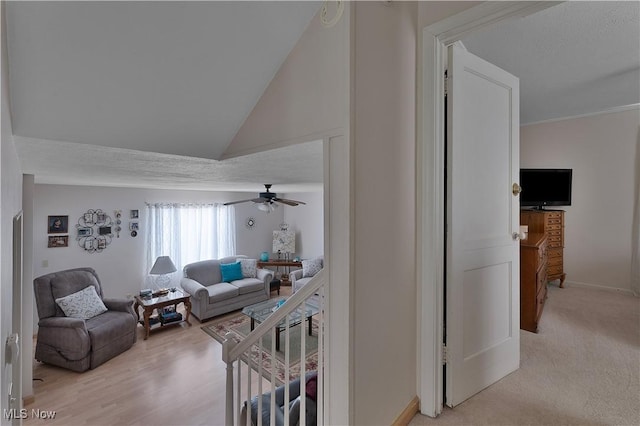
(545, 187)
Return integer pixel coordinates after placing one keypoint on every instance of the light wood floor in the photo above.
(176, 377)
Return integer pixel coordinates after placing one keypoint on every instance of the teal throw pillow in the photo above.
(231, 271)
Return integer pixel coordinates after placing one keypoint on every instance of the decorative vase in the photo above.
(264, 256)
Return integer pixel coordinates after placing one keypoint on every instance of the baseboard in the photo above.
(598, 287)
(408, 413)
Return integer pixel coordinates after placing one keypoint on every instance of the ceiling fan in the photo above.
(267, 201)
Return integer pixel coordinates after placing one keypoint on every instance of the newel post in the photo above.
(227, 346)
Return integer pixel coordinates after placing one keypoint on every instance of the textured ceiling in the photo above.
(149, 94)
(575, 58)
(292, 169)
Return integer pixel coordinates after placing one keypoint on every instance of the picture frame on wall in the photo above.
(134, 214)
(58, 241)
(58, 224)
(84, 232)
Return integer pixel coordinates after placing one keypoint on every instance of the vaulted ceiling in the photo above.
(150, 94)
(576, 58)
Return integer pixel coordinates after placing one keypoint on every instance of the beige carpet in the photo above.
(582, 368)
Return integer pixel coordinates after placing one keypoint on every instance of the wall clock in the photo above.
(250, 223)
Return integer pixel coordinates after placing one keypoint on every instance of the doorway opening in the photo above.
(431, 184)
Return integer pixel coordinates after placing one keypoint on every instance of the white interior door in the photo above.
(482, 267)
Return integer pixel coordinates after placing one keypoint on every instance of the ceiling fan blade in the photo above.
(288, 202)
(236, 202)
(259, 200)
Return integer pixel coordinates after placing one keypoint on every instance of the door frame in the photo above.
(430, 191)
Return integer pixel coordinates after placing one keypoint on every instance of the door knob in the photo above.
(516, 189)
(516, 236)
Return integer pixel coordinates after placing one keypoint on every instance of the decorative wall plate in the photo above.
(250, 223)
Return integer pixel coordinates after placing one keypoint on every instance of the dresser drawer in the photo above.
(555, 261)
(541, 280)
(554, 270)
(542, 255)
(553, 215)
(555, 241)
(554, 253)
(553, 227)
(542, 295)
(555, 233)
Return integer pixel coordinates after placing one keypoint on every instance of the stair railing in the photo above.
(237, 406)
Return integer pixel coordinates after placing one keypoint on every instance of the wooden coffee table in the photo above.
(151, 304)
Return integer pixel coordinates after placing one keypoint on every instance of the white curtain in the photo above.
(188, 233)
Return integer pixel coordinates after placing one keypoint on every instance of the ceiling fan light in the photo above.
(263, 207)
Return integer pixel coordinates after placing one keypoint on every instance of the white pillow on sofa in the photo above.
(249, 267)
(83, 304)
(311, 267)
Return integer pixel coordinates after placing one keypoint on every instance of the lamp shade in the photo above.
(163, 265)
(266, 207)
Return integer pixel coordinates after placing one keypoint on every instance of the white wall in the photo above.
(385, 262)
(601, 151)
(302, 102)
(121, 266)
(307, 221)
(10, 205)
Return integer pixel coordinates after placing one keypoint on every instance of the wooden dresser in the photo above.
(551, 223)
(533, 280)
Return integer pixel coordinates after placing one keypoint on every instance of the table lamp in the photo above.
(163, 266)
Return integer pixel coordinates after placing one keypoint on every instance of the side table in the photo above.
(275, 285)
(277, 263)
(151, 304)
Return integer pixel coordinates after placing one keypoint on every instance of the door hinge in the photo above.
(444, 354)
(446, 83)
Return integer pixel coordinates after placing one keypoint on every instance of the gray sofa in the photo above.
(210, 296)
(74, 343)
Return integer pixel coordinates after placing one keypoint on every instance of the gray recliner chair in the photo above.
(74, 343)
(293, 405)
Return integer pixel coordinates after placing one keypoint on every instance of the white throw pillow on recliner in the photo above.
(83, 304)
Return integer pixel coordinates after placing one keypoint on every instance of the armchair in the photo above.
(293, 405)
(75, 343)
(310, 267)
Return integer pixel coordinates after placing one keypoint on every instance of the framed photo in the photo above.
(58, 241)
(102, 243)
(133, 226)
(104, 230)
(88, 218)
(88, 244)
(58, 224)
(134, 214)
(84, 232)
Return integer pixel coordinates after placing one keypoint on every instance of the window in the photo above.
(190, 232)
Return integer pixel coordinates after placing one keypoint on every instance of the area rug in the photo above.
(239, 325)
